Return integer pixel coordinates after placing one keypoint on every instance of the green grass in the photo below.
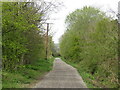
(87, 77)
(90, 79)
(26, 75)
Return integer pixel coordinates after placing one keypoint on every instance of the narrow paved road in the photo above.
(62, 76)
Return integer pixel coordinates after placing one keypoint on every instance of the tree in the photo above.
(90, 41)
(23, 36)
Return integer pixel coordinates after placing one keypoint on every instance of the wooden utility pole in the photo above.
(47, 41)
(118, 39)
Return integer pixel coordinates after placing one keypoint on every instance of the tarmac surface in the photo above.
(61, 76)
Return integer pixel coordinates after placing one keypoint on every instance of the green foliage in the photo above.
(23, 40)
(23, 43)
(26, 75)
(91, 43)
(55, 50)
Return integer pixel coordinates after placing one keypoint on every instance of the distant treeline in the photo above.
(91, 42)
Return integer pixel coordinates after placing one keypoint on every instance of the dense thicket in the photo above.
(23, 40)
(91, 41)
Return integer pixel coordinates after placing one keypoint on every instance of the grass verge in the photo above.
(23, 77)
(88, 78)
(83, 74)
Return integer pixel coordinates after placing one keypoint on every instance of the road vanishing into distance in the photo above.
(61, 76)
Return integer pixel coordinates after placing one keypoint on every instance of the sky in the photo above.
(58, 27)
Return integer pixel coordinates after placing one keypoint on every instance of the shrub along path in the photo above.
(62, 76)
